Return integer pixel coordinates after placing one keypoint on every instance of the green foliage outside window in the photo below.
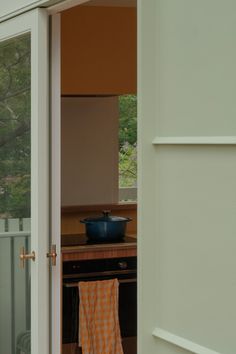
(15, 127)
(128, 141)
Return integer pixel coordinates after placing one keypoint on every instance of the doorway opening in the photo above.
(98, 157)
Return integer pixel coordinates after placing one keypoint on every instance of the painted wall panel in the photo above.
(196, 227)
(197, 56)
(147, 240)
(187, 193)
(168, 348)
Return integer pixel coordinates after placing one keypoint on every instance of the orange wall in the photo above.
(99, 50)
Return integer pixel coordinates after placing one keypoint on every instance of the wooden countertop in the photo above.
(99, 251)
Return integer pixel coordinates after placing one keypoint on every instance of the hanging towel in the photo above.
(99, 330)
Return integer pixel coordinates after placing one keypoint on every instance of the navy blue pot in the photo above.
(106, 228)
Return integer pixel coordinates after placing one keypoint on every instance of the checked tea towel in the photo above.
(99, 329)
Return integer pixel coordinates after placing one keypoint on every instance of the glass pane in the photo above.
(15, 112)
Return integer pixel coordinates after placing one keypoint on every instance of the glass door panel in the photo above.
(23, 184)
(15, 172)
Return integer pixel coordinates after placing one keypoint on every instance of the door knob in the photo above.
(53, 255)
(24, 256)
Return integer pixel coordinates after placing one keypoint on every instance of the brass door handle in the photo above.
(24, 256)
(53, 255)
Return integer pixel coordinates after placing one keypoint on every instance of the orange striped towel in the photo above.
(99, 330)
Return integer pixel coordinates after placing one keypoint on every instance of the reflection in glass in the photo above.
(15, 151)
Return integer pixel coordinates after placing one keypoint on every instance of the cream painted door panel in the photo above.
(187, 176)
(24, 173)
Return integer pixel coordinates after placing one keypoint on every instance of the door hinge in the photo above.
(53, 255)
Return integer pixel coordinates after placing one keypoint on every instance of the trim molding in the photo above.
(194, 140)
(181, 342)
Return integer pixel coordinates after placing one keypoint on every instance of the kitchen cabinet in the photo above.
(98, 251)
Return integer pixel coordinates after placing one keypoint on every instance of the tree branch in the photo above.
(19, 131)
(10, 110)
(17, 93)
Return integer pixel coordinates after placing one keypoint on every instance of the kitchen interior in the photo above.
(98, 228)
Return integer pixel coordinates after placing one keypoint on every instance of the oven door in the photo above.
(127, 309)
(127, 302)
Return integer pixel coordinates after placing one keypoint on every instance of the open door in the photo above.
(187, 177)
(24, 221)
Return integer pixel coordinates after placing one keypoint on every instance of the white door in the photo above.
(187, 176)
(24, 175)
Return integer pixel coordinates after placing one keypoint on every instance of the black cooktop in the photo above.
(82, 240)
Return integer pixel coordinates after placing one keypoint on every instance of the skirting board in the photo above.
(194, 140)
(181, 342)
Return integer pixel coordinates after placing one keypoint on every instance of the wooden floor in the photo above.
(129, 347)
(71, 349)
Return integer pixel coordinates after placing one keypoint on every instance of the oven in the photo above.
(125, 270)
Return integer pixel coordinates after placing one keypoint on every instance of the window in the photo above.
(128, 148)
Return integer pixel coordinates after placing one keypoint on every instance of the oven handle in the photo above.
(75, 284)
(100, 274)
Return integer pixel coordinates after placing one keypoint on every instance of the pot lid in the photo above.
(107, 217)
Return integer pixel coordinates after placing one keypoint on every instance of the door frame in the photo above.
(55, 171)
(56, 286)
(55, 178)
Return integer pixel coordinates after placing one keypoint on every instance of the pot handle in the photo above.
(128, 219)
(106, 213)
